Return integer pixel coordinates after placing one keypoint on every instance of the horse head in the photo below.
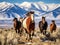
(31, 14)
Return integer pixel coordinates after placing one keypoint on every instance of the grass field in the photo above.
(10, 37)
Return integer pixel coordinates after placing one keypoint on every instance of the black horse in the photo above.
(43, 25)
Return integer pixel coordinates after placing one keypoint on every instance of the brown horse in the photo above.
(29, 24)
(17, 25)
(53, 26)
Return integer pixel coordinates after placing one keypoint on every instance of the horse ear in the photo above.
(27, 14)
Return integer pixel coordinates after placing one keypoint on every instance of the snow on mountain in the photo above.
(26, 4)
(42, 9)
(9, 10)
(5, 5)
(42, 6)
(53, 6)
(39, 5)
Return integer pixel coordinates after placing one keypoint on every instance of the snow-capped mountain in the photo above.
(42, 9)
(9, 10)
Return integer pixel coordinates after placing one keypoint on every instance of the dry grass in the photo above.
(10, 37)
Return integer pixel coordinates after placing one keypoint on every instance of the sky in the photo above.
(21, 1)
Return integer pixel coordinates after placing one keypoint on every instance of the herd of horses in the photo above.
(28, 24)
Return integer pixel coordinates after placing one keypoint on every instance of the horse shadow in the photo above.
(48, 38)
(21, 42)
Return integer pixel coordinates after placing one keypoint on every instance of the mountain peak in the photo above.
(26, 4)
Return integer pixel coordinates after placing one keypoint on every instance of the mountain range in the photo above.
(10, 10)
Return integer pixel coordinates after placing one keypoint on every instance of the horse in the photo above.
(53, 26)
(29, 24)
(43, 25)
(17, 25)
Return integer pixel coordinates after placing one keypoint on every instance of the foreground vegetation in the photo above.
(10, 37)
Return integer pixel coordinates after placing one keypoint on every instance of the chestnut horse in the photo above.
(29, 24)
(53, 26)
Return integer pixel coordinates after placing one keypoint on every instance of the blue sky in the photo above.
(20, 1)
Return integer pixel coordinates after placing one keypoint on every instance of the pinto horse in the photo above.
(29, 24)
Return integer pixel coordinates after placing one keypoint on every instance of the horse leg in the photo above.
(44, 32)
(51, 31)
(19, 32)
(30, 38)
(32, 33)
(16, 30)
(27, 34)
(41, 31)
